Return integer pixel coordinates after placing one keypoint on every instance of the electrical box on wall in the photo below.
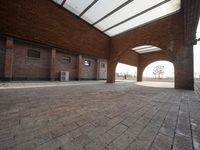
(64, 76)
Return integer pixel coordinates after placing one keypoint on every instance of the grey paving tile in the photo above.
(81, 141)
(182, 142)
(162, 142)
(98, 116)
(100, 142)
(117, 130)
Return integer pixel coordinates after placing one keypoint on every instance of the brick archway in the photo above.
(142, 73)
(160, 34)
(167, 34)
(148, 58)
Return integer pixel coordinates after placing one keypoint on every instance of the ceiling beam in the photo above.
(87, 8)
(137, 15)
(63, 2)
(110, 13)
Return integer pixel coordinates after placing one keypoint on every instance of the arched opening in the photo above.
(196, 55)
(159, 71)
(124, 72)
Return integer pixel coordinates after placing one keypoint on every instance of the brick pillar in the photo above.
(98, 69)
(79, 67)
(139, 73)
(139, 69)
(53, 63)
(184, 75)
(111, 71)
(9, 59)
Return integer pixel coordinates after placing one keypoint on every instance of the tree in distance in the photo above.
(159, 71)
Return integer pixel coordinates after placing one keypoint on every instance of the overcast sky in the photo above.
(169, 69)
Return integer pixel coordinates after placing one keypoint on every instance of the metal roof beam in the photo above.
(63, 2)
(112, 12)
(87, 8)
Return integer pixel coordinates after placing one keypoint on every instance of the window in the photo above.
(33, 53)
(66, 59)
(103, 65)
(87, 63)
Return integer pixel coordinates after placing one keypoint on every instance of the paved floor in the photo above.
(96, 116)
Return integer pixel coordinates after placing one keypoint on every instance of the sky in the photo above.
(169, 69)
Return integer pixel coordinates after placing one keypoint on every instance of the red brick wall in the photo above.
(2, 56)
(26, 68)
(44, 21)
(88, 72)
(148, 58)
(166, 33)
(30, 68)
(129, 57)
(61, 66)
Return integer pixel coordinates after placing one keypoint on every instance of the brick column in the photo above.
(183, 65)
(9, 59)
(139, 69)
(98, 69)
(139, 73)
(79, 67)
(53, 63)
(111, 71)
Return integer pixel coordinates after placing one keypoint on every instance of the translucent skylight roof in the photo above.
(117, 16)
(77, 6)
(58, 1)
(146, 49)
(100, 9)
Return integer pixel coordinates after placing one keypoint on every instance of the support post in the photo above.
(79, 67)
(53, 63)
(98, 69)
(184, 75)
(111, 71)
(139, 73)
(8, 70)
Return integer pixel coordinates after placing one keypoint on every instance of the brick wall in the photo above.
(129, 57)
(28, 68)
(61, 65)
(2, 56)
(44, 21)
(59, 28)
(88, 72)
(166, 33)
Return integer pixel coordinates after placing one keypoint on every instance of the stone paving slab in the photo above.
(98, 116)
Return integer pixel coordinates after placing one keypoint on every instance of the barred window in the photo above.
(33, 53)
(87, 63)
(66, 59)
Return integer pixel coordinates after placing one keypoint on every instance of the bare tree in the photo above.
(159, 71)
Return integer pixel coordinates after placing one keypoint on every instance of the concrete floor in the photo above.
(95, 116)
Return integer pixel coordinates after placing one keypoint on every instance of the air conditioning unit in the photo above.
(64, 76)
